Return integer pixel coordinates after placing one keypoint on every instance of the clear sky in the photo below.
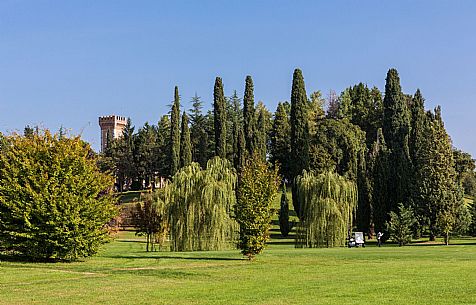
(65, 63)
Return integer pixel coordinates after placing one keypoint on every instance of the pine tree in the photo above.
(396, 129)
(249, 119)
(219, 111)
(281, 139)
(299, 131)
(185, 145)
(175, 134)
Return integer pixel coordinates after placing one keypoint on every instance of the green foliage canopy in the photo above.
(54, 202)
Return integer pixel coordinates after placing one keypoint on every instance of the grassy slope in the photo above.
(124, 274)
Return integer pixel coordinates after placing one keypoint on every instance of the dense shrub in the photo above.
(54, 202)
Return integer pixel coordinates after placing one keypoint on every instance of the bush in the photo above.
(400, 226)
(54, 202)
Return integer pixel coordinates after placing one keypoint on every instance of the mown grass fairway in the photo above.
(123, 273)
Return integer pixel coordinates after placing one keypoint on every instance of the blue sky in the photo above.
(65, 63)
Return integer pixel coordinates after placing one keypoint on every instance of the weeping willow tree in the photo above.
(328, 206)
(200, 207)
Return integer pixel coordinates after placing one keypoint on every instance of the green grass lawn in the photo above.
(123, 273)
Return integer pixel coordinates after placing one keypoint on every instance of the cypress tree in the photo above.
(299, 131)
(199, 136)
(185, 145)
(396, 130)
(219, 111)
(281, 140)
(261, 135)
(379, 174)
(249, 120)
(284, 225)
(175, 134)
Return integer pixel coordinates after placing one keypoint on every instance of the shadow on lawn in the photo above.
(149, 256)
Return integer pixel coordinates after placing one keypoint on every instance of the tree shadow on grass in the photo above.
(149, 256)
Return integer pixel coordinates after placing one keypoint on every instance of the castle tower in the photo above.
(112, 124)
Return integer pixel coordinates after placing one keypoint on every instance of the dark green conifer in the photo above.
(299, 130)
(175, 134)
(219, 111)
(396, 129)
(281, 139)
(185, 145)
(249, 120)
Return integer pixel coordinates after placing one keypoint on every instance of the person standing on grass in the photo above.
(379, 238)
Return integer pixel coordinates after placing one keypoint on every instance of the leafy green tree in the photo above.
(328, 204)
(175, 134)
(54, 201)
(400, 225)
(219, 112)
(284, 225)
(185, 144)
(149, 219)
(280, 149)
(299, 158)
(123, 157)
(257, 187)
(249, 116)
(199, 203)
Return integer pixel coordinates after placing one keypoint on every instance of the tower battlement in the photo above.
(112, 127)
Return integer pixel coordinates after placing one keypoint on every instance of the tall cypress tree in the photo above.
(281, 140)
(261, 135)
(299, 131)
(379, 173)
(219, 111)
(396, 130)
(185, 145)
(175, 134)
(249, 119)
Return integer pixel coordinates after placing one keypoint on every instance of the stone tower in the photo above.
(112, 124)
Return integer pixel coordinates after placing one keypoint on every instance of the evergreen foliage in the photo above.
(198, 131)
(256, 190)
(328, 206)
(219, 112)
(249, 119)
(175, 134)
(400, 226)
(185, 144)
(396, 129)
(299, 131)
(284, 225)
(281, 139)
(54, 202)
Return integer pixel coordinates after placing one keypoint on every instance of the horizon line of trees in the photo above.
(395, 150)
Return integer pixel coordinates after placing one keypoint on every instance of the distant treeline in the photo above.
(394, 149)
